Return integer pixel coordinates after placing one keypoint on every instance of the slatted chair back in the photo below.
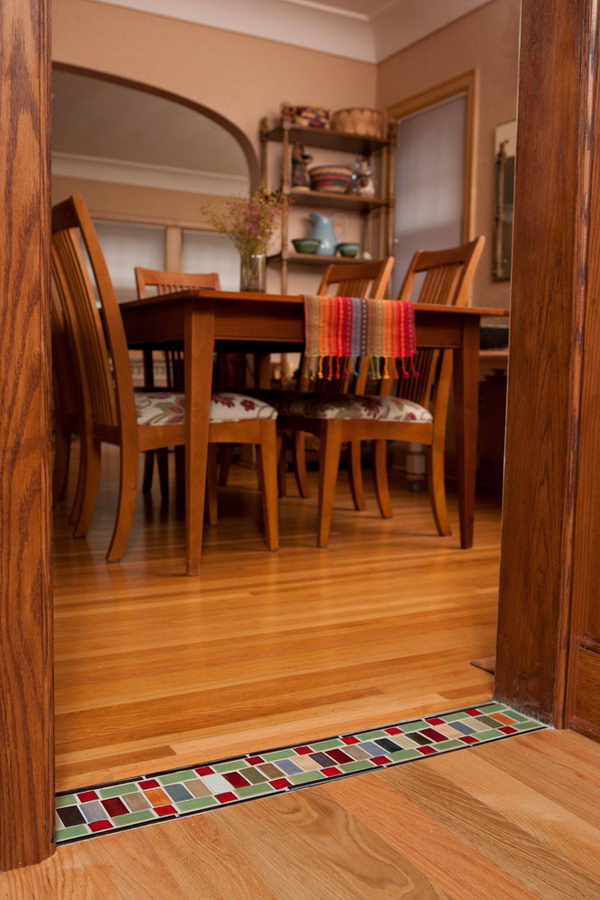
(448, 281)
(93, 314)
(66, 379)
(367, 279)
(168, 282)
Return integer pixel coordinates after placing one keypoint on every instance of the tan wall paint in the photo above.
(486, 39)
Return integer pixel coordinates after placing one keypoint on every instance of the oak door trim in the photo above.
(555, 283)
(26, 684)
(467, 83)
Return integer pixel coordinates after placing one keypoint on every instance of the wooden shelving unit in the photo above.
(286, 133)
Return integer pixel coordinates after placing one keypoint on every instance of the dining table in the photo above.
(203, 322)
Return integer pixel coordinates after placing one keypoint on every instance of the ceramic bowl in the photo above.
(348, 249)
(332, 179)
(306, 245)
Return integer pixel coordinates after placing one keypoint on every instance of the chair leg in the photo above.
(329, 461)
(180, 476)
(300, 472)
(89, 487)
(437, 490)
(162, 460)
(210, 502)
(226, 457)
(79, 484)
(355, 475)
(380, 474)
(267, 475)
(128, 485)
(282, 463)
(148, 470)
(62, 455)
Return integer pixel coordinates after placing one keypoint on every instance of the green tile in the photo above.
(495, 707)
(399, 755)
(253, 790)
(200, 803)
(360, 765)
(63, 834)
(488, 735)
(230, 766)
(303, 777)
(451, 717)
(529, 723)
(517, 716)
(371, 735)
(117, 790)
(327, 745)
(130, 818)
(174, 777)
(449, 745)
(278, 754)
(414, 726)
(69, 800)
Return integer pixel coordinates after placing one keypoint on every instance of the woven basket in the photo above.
(366, 122)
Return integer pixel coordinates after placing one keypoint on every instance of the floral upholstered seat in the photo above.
(169, 409)
(347, 406)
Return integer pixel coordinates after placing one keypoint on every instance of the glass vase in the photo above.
(253, 272)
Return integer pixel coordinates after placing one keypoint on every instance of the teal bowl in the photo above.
(306, 245)
(348, 249)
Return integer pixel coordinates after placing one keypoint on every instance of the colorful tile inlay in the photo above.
(149, 799)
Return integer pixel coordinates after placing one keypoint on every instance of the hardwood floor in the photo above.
(155, 670)
(515, 819)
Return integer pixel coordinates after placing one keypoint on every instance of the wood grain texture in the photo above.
(154, 670)
(26, 752)
(549, 296)
(499, 821)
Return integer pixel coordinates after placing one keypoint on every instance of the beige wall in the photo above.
(486, 39)
(245, 78)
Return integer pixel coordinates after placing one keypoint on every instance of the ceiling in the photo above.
(95, 118)
(367, 30)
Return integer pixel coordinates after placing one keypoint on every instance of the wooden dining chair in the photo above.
(158, 281)
(113, 412)
(418, 413)
(367, 279)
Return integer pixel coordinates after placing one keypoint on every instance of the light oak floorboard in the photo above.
(155, 670)
(451, 827)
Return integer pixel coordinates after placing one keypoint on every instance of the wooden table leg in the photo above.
(199, 342)
(262, 370)
(466, 389)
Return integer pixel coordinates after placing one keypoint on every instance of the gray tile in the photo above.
(177, 792)
(93, 811)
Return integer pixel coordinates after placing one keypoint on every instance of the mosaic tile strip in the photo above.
(156, 798)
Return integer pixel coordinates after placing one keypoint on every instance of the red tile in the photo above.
(225, 798)
(508, 729)
(114, 806)
(279, 783)
(165, 810)
(433, 734)
(339, 756)
(330, 771)
(350, 739)
(87, 795)
(235, 779)
(473, 712)
(393, 730)
(436, 721)
(380, 760)
(303, 749)
(254, 760)
(204, 770)
(102, 825)
(150, 783)
(426, 751)
(469, 739)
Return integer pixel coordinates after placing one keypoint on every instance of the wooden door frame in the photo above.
(467, 84)
(26, 689)
(555, 356)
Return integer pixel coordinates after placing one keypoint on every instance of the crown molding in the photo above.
(119, 171)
